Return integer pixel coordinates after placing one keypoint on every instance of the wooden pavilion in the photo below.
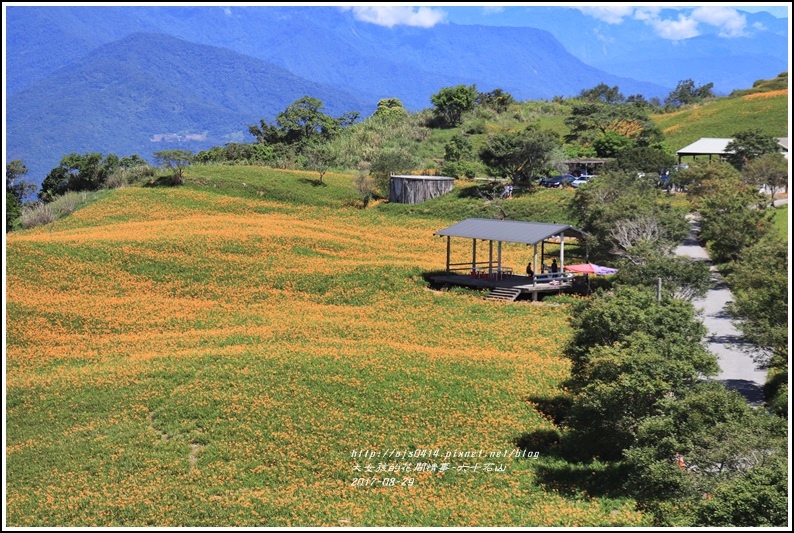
(493, 273)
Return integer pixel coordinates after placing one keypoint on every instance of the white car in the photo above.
(581, 180)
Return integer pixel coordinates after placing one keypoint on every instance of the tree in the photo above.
(647, 159)
(78, 172)
(682, 277)
(388, 161)
(611, 143)
(175, 161)
(628, 352)
(708, 459)
(519, 156)
(301, 123)
(390, 108)
(603, 93)
(759, 284)
(615, 317)
(729, 218)
(17, 190)
(769, 171)
(591, 120)
(617, 200)
(458, 148)
(451, 102)
(748, 145)
(498, 100)
(686, 93)
(320, 156)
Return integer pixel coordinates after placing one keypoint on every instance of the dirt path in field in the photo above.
(738, 371)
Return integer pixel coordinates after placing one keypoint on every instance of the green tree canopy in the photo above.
(301, 122)
(603, 93)
(591, 120)
(759, 284)
(729, 216)
(519, 156)
(175, 161)
(686, 93)
(451, 102)
(390, 108)
(78, 172)
(748, 145)
(498, 100)
(624, 218)
(769, 170)
(17, 190)
(708, 459)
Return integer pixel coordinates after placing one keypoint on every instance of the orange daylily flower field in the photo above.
(180, 357)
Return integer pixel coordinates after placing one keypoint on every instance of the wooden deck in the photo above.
(513, 281)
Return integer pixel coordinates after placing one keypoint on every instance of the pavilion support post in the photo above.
(535, 279)
(473, 255)
(542, 255)
(562, 252)
(490, 258)
(499, 257)
(448, 252)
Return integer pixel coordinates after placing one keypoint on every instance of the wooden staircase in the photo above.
(504, 294)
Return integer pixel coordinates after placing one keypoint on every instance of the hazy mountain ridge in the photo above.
(151, 86)
(86, 78)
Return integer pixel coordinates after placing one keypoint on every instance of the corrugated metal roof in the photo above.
(705, 146)
(508, 230)
(432, 178)
(714, 145)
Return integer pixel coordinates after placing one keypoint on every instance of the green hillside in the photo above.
(234, 351)
(723, 117)
(764, 107)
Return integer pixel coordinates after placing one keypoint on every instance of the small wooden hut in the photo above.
(417, 189)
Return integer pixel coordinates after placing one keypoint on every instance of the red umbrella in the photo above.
(590, 268)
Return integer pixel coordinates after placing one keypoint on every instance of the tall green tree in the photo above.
(759, 284)
(590, 120)
(748, 145)
(603, 93)
(730, 219)
(451, 102)
(624, 218)
(176, 161)
(78, 172)
(628, 352)
(708, 459)
(769, 171)
(302, 122)
(519, 156)
(17, 190)
(498, 100)
(687, 93)
(390, 108)
(320, 156)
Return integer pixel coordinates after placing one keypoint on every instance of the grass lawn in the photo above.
(211, 356)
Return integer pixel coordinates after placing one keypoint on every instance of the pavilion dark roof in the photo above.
(508, 230)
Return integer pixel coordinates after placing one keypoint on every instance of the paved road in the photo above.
(737, 369)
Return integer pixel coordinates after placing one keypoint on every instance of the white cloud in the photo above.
(609, 14)
(729, 21)
(389, 16)
(674, 29)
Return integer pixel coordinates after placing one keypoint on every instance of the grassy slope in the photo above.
(213, 354)
(767, 111)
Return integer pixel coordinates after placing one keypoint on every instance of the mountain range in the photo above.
(140, 79)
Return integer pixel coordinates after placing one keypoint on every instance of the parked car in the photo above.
(557, 181)
(581, 180)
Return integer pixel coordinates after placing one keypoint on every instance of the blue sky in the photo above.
(689, 20)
